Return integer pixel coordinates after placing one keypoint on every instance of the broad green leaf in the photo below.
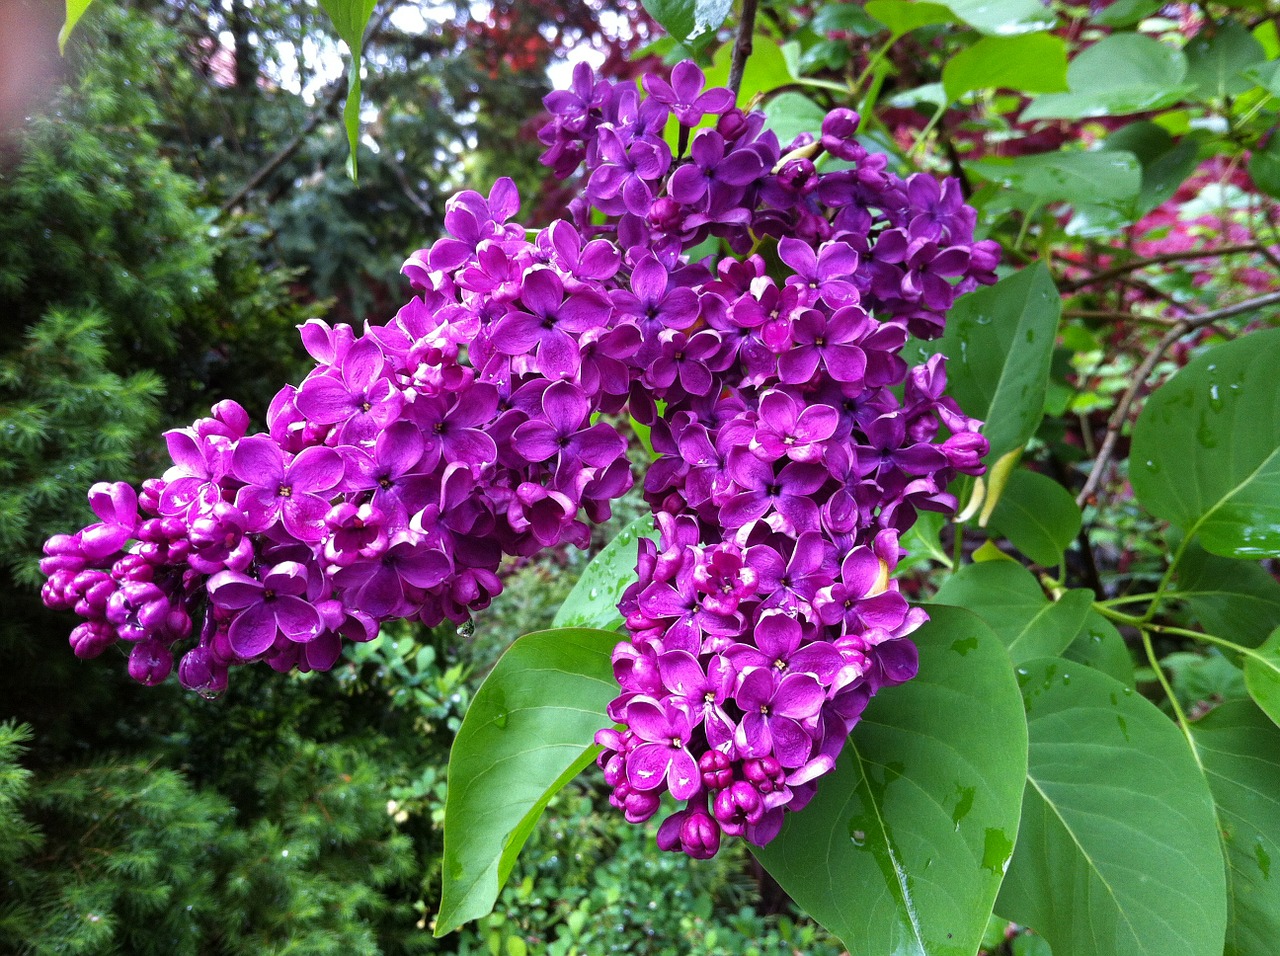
(766, 70)
(1165, 164)
(903, 847)
(1004, 17)
(1100, 646)
(844, 18)
(1031, 63)
(790, 114)
(593, 602)
(1076, 177)
(1200, 678)
(1264, 166)
(1007, 597)
(688, 19)
(75, 10)
(1267, 76)
(528, 731)
(1218, 56)
(1233, 599)
(1124, 13)
(1206, 448)
(1122, 73)
(1037, 515)
(350, 17)
(921, 541)
(1118, 853)
(903, 16)
(999, 344)
(1239, 750)
(1262, 675)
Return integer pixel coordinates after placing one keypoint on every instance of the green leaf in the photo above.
(1239, 750)
(1038, 516)
(593, 602)
(75, 10)
(999, 344)
(903, 847)
(903, 16)
(1264, 166)
(1122, 73)
(844, 18)
(1118, 853)
(1236, 599)
(1218, 56)
(1007, 597)
(1003, 17)
(921, 541)
(350, 18)
(1100, 646)
(689, 19)
(1076, 177)
(1031, 63)
(790, 114)
(1206, 448)
(1165, 164)
(1267, 76)
(528, 731)
(1262, 675)
(766, 69)
(1125, 13)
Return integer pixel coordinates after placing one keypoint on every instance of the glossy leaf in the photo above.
(1118, 854)
(1264, 166)
(688, 19)
(1003, 17)
(921, 541)
(593, 602)
(1217, 58)
(1234, 599)
(790, 114)
(903, 16)
(1239, 750)
(1206, 448)
(1007, 597)
(903, 847)
(350, 18)
(1120, 74)
(1262, 675)
(1031, 63)
(75, 10)
(999, 344)
(1100, 646)
(766, 70)
(528, 730)
(1124, 13)
(1037, 515)
(1166, 164)
(1077, 177)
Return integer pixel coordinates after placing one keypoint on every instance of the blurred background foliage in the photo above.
(173, 209)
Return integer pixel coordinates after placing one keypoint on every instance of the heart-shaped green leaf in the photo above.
(1120, 74)
(904, 846)
(1262, 675)
(903, 16)
(1031, 63)
(1004, 17)
(1235, 599)
(1037, 515)
(593, 602)
(1206, 448)
(527, 733)
(1118, 854)
(1239, 750)
(1007, 597)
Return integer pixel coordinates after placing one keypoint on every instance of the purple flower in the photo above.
(824, 342)
(355, 396)
(662, 757)
(760, 491)
(550, 324)
(785, 428)
(267, 608)
(773, 707)
(684, 94)
(294, 493)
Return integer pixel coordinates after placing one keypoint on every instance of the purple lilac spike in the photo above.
(392, 481)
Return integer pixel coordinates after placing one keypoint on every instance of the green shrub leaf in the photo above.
(1118, 854)
(903, 16)
(1239, 750)
(1007, 597)
(1262, 675)
(1235, 599)
(350, 18)
(593, 602)
(1206, 448)
(1031, 63)
(1037, 515)
(689, 19)
(1120, 74)
(904, 846)
(526, 734)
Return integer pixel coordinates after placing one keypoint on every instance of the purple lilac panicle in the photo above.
(392, 481)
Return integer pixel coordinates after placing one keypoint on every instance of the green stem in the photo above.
(1201, 636)
(871, 64)
(924, 133)
(1178, 714)
(1111, 614)
(957, 547)
(1129, 599)
(1163, 586)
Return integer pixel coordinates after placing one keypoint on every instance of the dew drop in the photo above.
(593, 593)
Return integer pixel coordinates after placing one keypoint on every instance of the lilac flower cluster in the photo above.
(795, 446)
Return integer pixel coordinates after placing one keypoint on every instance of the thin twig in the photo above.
(1121, 414)
(1113, 315)
(1132, 266)
(406, 187)
(742, 44)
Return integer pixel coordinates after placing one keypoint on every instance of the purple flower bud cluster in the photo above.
(795, 446)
